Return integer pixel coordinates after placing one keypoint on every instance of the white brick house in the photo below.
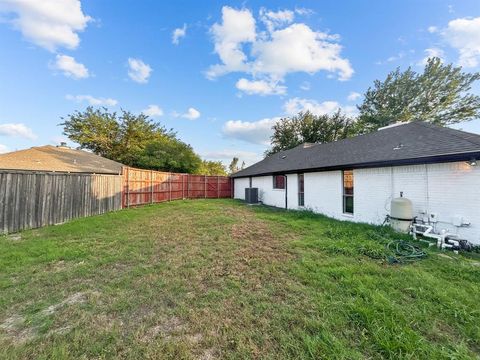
(355, 179)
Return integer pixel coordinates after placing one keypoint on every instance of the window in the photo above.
(279, 182)
(301, 196)
(348, 191)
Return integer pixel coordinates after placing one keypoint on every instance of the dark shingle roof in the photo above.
(59, 159)
(412, 143)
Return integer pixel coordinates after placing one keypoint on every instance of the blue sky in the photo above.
(219, 73)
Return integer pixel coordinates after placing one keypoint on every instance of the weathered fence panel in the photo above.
(146, 186)
(35, 199)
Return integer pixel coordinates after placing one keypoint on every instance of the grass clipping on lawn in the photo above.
(215, 279)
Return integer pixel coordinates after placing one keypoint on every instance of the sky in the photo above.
(219, 73)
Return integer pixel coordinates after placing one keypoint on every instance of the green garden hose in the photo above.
(402, 251)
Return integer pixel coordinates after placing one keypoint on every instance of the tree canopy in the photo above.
(233, 166)
(134, 140)
(440, 95)
(169, 154)
(309, 128)
(212, 168)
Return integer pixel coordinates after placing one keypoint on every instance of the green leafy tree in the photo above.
(169, 154)
(119, 137)
(133, 140)
(440, 95)
(96, 130)
(309, 128)
(212, 168)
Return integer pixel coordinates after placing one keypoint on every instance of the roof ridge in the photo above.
(452, 132)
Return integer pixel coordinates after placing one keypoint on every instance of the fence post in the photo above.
(205, 187)
(128, 187)
(188, 186)
(169, 186)
(151, 186)
(218, 186)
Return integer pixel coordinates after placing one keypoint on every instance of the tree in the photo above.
(133, 140)
(95, 130)
(233, 167)
(117, 137)
(440, 95)
(169, 154)
(212, 168)
(309, 128)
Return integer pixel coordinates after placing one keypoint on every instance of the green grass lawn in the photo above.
(217, 279)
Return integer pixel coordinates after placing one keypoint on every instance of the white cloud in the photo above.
(463, 34)
(3, 149)
(298, 48)
(92, 100)
(255, 132)
(70, 67)
(47, 23)
(260, 87)
(275, 19)
(17, 130)
(284, 48)
(227, 155)
(353, 96)
(432, 29)
(392, 58)
(153, 111)
(138, 70)
(179, 33)
(304, 11)
(237, 27)
(191, 114)
(430, 53)
(294, 106)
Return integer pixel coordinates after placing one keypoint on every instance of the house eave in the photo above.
(446, 158)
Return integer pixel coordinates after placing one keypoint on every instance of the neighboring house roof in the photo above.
(410, 143)
(58, 159)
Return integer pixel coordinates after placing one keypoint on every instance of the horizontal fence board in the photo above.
(34, 199)
(142, 187)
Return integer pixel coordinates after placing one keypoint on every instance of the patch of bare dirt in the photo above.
(14, 237)
(61, 265)
(77, 298)
(15, 330)
(194, 338)
(208, 354)
(167, 329)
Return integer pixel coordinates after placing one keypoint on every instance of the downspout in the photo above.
(286, 192)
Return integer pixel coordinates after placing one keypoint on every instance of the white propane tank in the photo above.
(401, 214)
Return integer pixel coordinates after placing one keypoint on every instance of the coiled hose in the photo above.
(402, 251)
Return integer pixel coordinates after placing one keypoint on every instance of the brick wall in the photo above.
(448, 190)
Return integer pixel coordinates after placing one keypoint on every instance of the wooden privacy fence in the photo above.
(146, 186)
(35, 199)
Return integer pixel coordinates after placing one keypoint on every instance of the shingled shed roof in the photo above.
(58, 159)
(411, 143)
